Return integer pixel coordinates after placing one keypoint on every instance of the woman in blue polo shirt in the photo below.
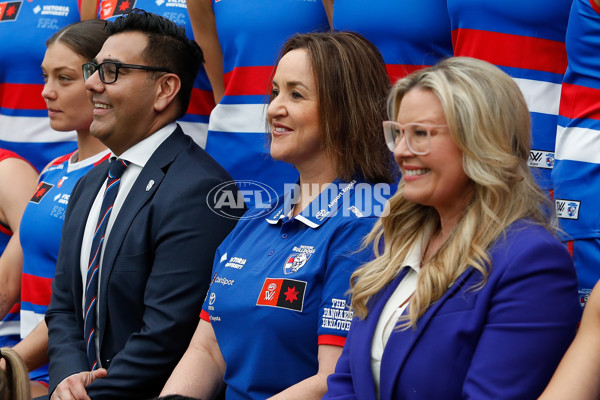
(277, 313)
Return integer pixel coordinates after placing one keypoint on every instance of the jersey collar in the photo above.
(321, 208)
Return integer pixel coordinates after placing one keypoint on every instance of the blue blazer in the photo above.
(155, 274)
(503, 341)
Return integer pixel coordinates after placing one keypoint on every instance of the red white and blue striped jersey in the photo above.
(409, 34)
(251, 34)
(40, 233)
(24, 125)
(526, 39)
(9, 327)
(576, 175)
(195, 121)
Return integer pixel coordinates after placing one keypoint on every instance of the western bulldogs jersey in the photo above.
(25, 25)
(251, 35)
(279, 286)
(576, 175)
(195, 121)
(526, 39)
(40, 234)
(409, 34)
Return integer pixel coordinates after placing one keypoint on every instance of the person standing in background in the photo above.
(24, 125)
(526, 39)
(241, 39)
(18, 179)
(195, 121)
(418, 37)
(576, 174)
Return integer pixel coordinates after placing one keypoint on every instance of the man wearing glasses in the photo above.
(139, 237)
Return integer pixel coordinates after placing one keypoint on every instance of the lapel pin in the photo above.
(149, 185)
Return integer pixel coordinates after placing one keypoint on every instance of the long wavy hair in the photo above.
(488, 120)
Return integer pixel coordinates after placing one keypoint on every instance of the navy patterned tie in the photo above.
(115, 171)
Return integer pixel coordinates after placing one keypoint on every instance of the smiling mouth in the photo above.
(416, 172)
(100, 105)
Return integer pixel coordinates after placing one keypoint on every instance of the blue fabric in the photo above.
(503, 341)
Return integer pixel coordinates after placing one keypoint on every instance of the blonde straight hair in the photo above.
(14, 382)
(488, 120)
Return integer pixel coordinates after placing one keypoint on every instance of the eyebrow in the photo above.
(291, 84)
(114, 60)
(61, 68)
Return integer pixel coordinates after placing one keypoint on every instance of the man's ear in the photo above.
(166, 91)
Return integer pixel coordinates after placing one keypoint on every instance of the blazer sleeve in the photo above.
(189, 233)
(340, 384)
(532, 319)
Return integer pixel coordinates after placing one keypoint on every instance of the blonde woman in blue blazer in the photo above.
(471, 295)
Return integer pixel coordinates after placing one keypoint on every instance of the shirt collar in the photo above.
(322, 207)
(414, 257)
(140, 153)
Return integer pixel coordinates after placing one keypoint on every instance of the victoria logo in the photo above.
(232, 196)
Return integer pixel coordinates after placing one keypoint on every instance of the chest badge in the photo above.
(294, 262)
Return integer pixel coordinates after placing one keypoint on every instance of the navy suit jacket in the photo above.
(501, 342)
(155, 273)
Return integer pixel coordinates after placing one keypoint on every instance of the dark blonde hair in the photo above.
(489, 122)
(352, 85)
(14, 382)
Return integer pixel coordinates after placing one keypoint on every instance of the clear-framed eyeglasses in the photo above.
(109, 71)
(418, 136)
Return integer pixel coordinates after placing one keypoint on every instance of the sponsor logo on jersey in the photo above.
(236, 263)
(55, 10)
(113, 8)
(282, 293)
(541, 159)
(567, 209)
(294, 262)
(173, 3)
(42, 189)
(9, 10)
(224, 281)
(62, 180)
(211, 301)
(337, 316)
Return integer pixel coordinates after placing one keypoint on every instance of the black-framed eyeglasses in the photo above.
(109, 70)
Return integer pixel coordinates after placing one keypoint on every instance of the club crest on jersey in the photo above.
(550, 160)
(567, 209)
(9, 10)
(112, 8)
(42, 190)
(282, 293)
(294, 262)
(541, 159)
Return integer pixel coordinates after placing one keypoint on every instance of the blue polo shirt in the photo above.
(279, 286)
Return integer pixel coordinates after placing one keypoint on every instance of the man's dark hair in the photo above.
(168, 47)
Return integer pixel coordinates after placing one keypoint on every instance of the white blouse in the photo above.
(396, 305)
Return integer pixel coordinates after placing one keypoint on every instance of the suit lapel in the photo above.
(400, 344)
(90, 187)
(141, 192)
(362, 368)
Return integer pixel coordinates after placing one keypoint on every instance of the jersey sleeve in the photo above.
(343, 259)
